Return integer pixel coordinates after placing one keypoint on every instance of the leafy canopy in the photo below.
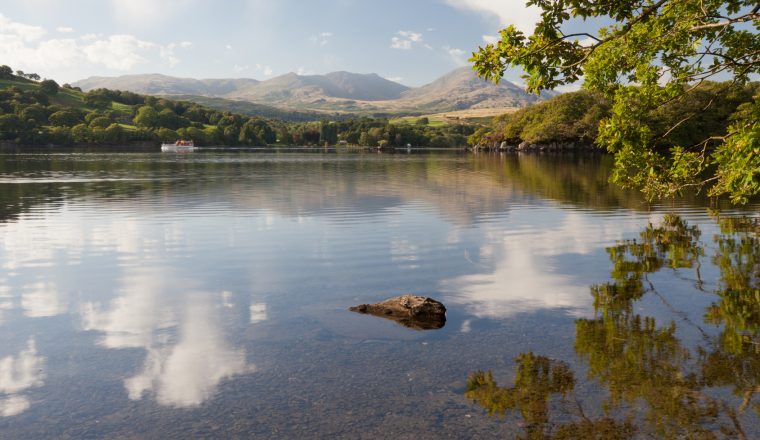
(657, 52)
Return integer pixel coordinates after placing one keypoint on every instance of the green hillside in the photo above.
(263, 111)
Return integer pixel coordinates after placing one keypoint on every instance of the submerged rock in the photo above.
(411, 311)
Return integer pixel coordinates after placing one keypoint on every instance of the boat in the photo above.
(179, 146)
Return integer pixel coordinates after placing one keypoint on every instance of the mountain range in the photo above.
(341, 92)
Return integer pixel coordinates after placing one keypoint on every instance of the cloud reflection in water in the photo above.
(187, 374)
(523, 278)
(17, 374)
(179, 371)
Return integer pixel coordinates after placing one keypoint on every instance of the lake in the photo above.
(149, 295)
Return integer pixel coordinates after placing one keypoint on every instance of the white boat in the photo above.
(180, 146)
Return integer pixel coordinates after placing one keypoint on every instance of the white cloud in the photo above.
(394, 78)
(64, 29)
(321, 39)
(507, 11)
(412, 36)
(405, 40)
(458, 56)
(167, 52)
(23, 47)
(22, 31)
(266, 70)
(303, 71)
(490, 39)
(569, 88)
(397, 43)
(118, 52)
(48, 54)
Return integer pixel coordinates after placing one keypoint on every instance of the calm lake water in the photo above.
(148, 295)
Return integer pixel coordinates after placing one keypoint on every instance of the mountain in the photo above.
(462, 89)
(334, 92)
(341, 85)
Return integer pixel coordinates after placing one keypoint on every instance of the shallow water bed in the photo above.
(159, 296)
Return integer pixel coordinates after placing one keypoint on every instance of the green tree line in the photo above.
(707, 111)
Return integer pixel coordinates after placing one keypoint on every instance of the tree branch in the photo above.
(744, 18)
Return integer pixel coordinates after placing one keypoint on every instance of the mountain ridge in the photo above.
(339, 91)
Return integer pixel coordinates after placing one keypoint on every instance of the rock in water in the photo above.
(411, 311)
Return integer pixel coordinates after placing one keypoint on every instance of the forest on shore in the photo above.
(573, 118)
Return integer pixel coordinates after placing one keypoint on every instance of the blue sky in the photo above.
(410, 41)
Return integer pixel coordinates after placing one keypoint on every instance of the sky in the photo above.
(409, 41)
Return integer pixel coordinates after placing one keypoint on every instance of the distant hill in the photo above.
(341, 85)
(260, 110)
(157, 84)
(343, 92)
(461, 89)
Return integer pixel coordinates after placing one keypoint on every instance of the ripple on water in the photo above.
(157, 295)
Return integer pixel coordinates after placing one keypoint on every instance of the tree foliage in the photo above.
(656, 52)
(49, 87)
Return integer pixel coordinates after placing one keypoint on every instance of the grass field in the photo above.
(469, 116)
(64, 97)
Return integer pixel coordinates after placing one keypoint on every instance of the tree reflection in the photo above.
(650, 375)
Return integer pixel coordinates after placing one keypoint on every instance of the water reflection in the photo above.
(19, 373)
(137, 315)
(188, 372)
(638, 360)
(182, 370)
(42, 299)
(152, 292)
(523, 276)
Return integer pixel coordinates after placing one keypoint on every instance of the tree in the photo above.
(100, 122)
(114, 134)
(10, 125)
(49, 87)
(98, 98)
(36, 112)
(80, 133)
(6, 72)
(657, 52)
(67, 118)
(147, 116)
